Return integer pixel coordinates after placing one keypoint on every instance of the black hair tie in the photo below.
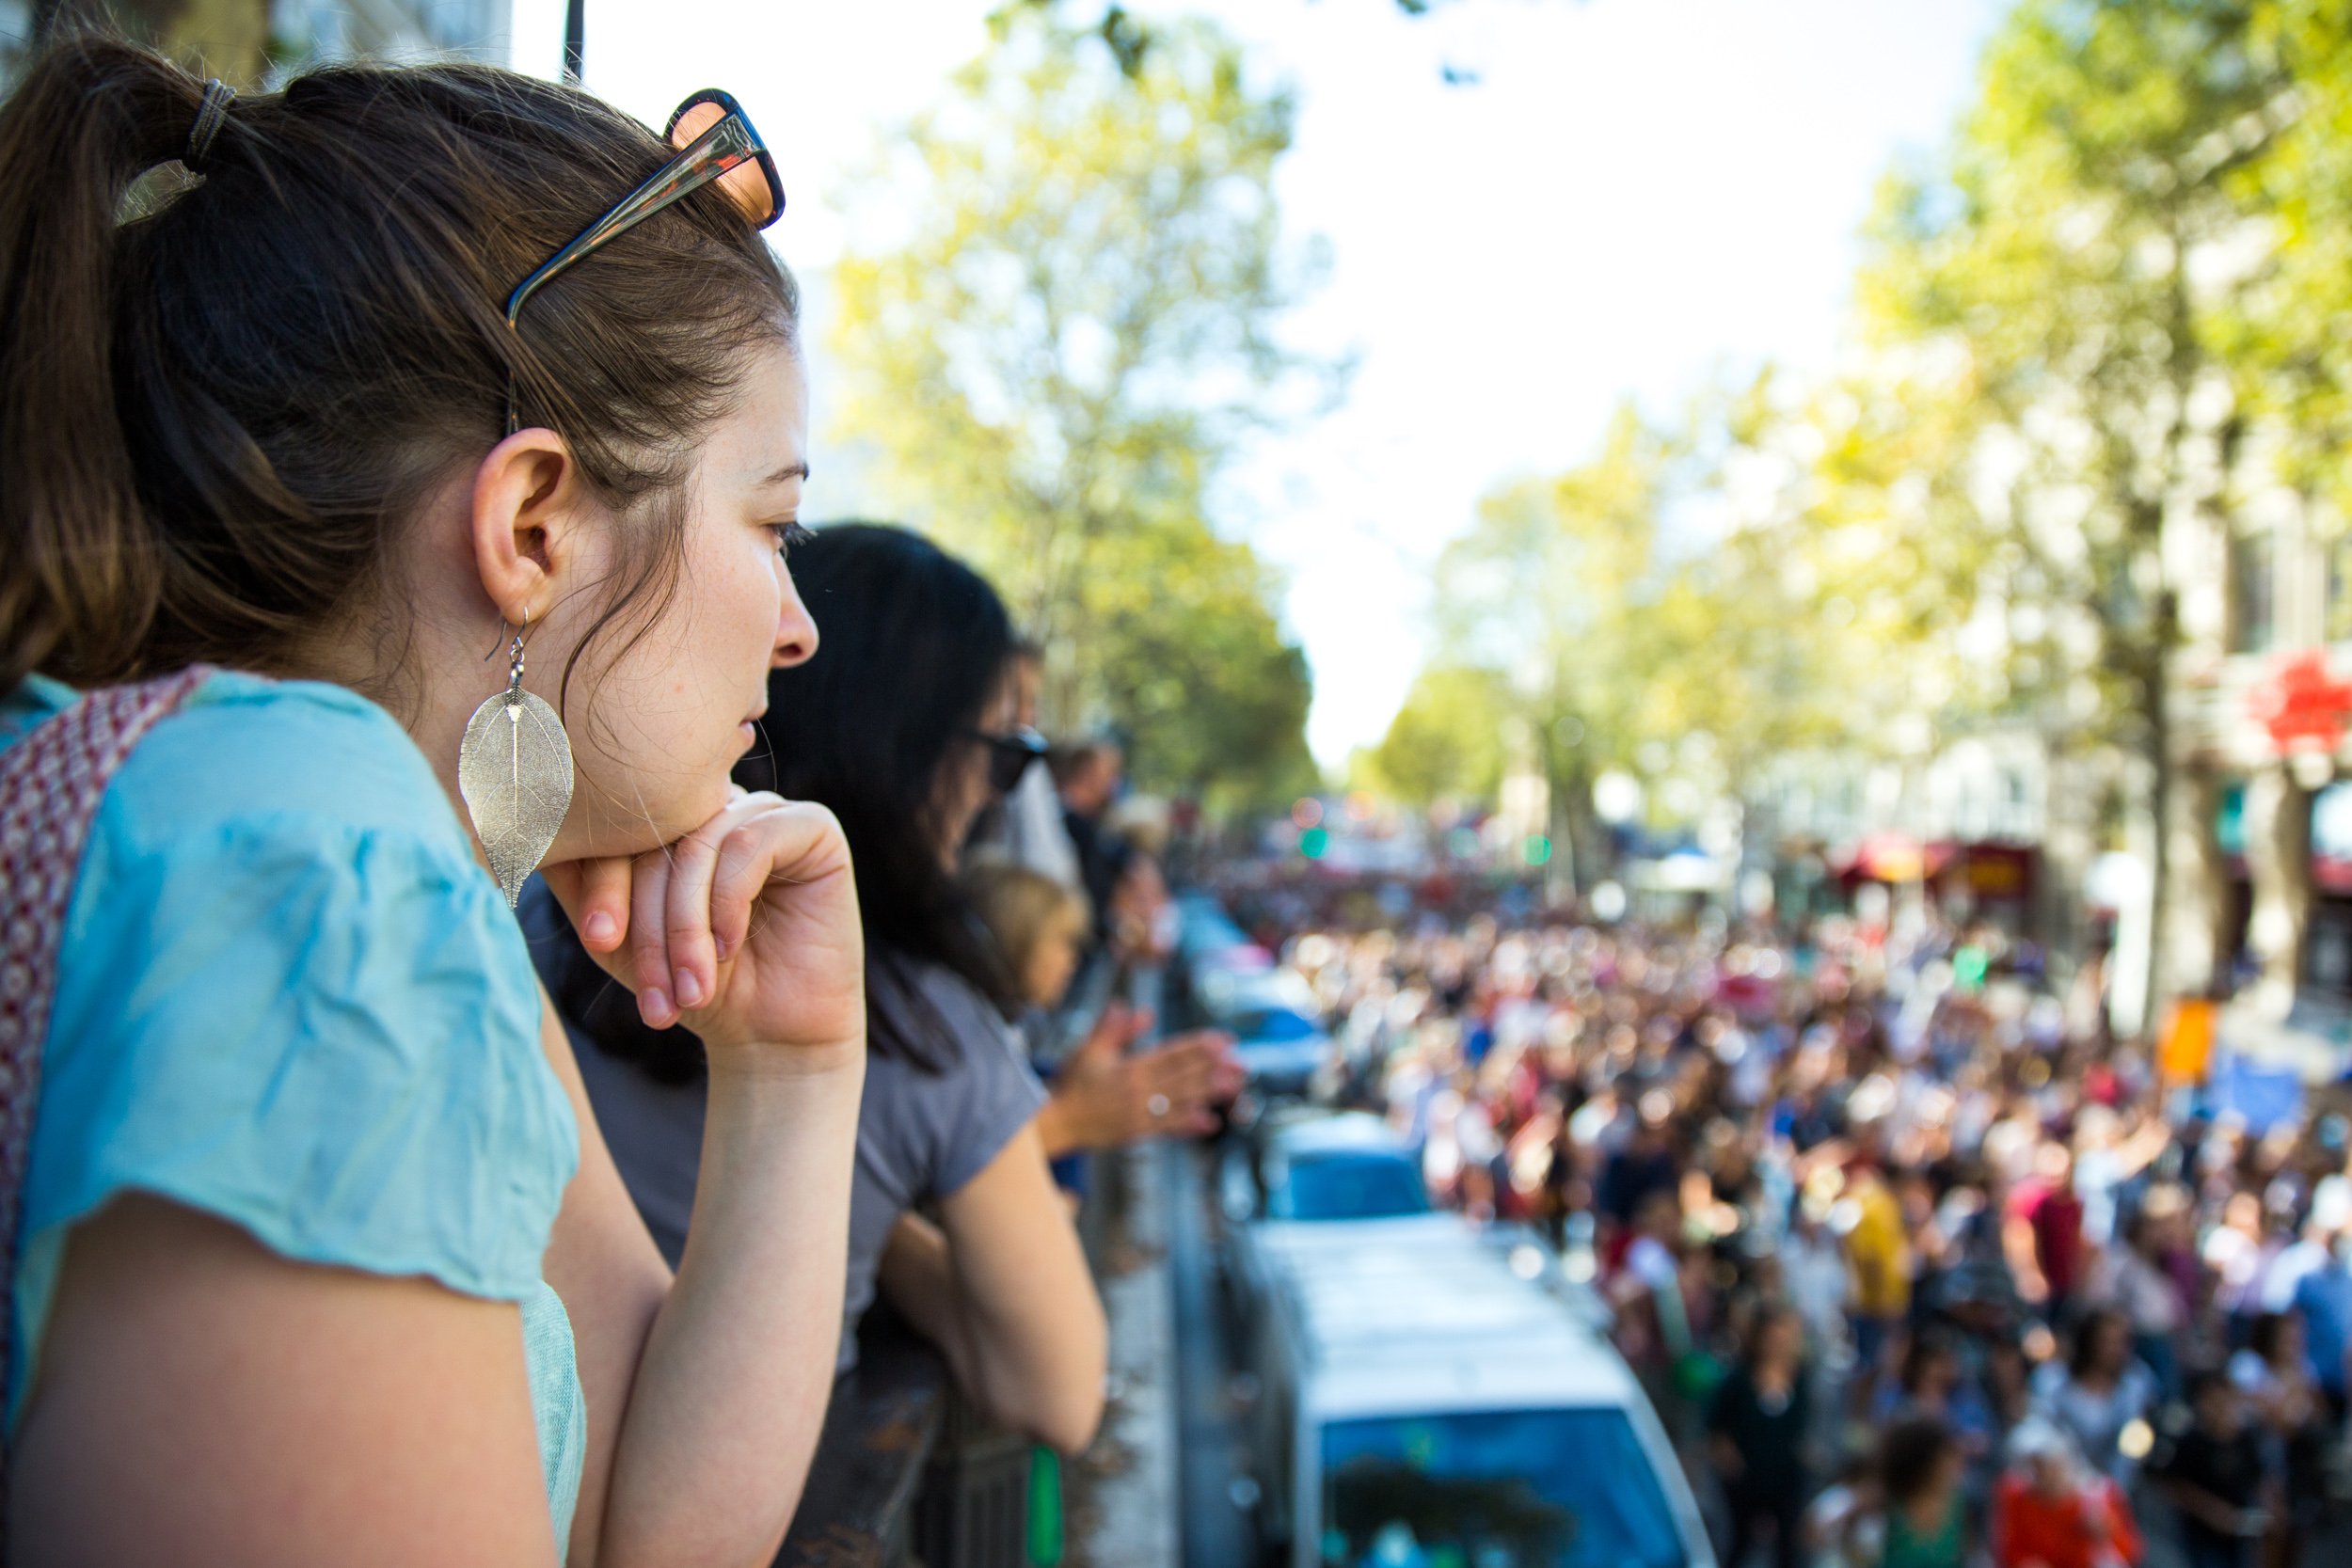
(211, 116)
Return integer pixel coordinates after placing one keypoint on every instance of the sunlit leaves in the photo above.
(1056, 321)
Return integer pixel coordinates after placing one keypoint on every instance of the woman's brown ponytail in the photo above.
(81, 566)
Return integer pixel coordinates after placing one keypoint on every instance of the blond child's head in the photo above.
(1039, 925)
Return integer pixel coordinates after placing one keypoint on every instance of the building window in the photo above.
(2253, 593)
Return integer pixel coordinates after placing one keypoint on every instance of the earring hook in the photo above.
(505, 626)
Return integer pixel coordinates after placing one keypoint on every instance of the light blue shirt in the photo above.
(2325, 1297)
(287, 996)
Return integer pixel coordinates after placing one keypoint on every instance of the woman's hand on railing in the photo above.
(1104, 1098)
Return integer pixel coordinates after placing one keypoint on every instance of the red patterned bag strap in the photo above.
(51, 783)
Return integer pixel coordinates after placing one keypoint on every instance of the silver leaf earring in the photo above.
(515, 769)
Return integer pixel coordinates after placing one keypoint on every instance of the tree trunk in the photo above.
(2157, 714)
(2279, 856)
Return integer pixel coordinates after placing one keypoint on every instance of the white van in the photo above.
(1432, 1397)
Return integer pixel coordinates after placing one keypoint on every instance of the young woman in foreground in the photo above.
(319, 1257)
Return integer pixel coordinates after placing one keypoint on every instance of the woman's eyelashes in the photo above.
(787, 535)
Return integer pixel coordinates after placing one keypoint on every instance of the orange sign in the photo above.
(2186, 1049)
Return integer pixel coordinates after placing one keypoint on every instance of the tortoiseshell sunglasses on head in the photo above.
(715, 141)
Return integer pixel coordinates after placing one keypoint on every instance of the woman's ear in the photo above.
(526, 499)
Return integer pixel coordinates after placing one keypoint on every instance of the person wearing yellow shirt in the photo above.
(1878, 1262)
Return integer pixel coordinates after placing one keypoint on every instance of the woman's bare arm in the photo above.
(1001, 1285)
(706, 1393)
(202, 1400)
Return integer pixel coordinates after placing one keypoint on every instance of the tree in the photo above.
(1550, 592)
(1053, 358)
(1209, 697)
(1676, 609)
(2291, 344)
(2058, 268)
(1446, 740)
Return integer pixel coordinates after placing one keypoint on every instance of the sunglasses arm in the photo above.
(722, 147)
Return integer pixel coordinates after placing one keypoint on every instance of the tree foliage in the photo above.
(1658, 610)
(1057, 347)
(1446, 740)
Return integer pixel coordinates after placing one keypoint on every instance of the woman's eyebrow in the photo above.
(789, 473)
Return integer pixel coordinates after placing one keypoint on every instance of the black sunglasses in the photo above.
(1009, 755)
(715, 141)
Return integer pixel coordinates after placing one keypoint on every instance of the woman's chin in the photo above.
(651, 822)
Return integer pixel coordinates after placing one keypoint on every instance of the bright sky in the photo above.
(1634, 198)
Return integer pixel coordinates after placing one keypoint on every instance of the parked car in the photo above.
(1301, 1164)
(1426, 1394)
(1274, 1021)
(1308, 1164)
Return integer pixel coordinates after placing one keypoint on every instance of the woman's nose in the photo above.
(796, 634)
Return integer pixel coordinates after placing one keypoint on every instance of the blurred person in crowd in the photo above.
(1645, 1164)
(2099, 1395)
(2282, 1400)
(1029, 830)
(2051, 1511)
(1879, 1253)
(1086, 779)
(901, 726)
(2214, 1475)
(1845, 1524)
(1920, 1467)
(1820, 1286)
(1654, 1328)
(1758, 1433)
(2043, 1231)
(1931, 1384)
(2137, 1279)
(318, 1252)
(2322, 1298)
(2238, 1253)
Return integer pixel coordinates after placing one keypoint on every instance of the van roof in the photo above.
(1425, 1313)
(1335, 1132)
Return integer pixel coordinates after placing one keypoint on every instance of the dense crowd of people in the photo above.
(1920, 1265)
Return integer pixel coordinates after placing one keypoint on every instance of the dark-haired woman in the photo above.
(1758, 1431)
(309, 1184)
(902, 726)
(2273, 1372)
(1921, 1465)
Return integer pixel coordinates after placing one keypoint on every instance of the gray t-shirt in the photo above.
(920, 1136)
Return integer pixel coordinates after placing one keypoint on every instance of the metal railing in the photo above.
(905, 1471)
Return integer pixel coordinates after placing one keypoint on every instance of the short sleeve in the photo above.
(987, 1097)
(921, 1134)
(289, 998)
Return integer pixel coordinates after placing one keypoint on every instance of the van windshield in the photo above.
(1494, 1489)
